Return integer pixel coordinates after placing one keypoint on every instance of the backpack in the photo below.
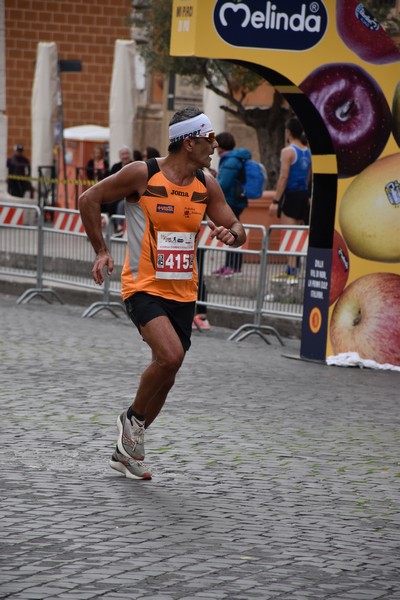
(253, 178)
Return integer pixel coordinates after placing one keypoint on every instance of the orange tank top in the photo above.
(163, 229)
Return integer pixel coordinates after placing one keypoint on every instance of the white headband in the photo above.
(189, 128)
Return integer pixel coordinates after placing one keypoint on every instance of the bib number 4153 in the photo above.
(175, 255)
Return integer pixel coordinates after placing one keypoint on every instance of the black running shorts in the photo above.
(296, 205)
(142, 308)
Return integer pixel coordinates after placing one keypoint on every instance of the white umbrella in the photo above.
(43, 106)
(123, 98)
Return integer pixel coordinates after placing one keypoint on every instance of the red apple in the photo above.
(355, 111)
(340, 267)
(366, 318)
(363, 34)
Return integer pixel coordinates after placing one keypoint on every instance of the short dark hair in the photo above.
(182, 115)
(295, 127)
(152, 152)
(225, 140)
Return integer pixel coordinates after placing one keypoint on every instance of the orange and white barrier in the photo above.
(67, 221)
(10, 215)
(293, 241)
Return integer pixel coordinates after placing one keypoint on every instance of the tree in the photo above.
(152, 24)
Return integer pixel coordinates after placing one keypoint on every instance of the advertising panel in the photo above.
(340, 72)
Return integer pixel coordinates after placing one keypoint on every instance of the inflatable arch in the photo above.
(339, 71)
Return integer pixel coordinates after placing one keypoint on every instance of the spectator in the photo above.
(118, 207)
(230, 166)
(292, 198)
(150, 152)
(19, 167)
(97, 167)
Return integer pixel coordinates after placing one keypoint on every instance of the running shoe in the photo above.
(280, 277)
(292, 280)
(200, 323)
(225, 272)
(131, 437)
(131, 468)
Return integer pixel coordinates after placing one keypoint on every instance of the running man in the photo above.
(166, 200)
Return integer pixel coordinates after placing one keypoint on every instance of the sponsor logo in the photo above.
(188, 211)
(179, 193)
(366, 18)
(277, 25)
(165, 208)
(392, 190)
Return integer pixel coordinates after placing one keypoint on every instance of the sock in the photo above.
(131, 413)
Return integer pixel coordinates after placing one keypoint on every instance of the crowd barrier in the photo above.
(55, 250)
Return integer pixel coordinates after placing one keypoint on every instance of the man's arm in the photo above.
(130, 181)
(222, 219)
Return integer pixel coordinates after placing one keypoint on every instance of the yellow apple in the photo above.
(369, 213)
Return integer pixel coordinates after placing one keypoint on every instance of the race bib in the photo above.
(175, 255)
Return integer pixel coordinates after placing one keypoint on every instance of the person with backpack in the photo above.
(230, 167)
(166, 200)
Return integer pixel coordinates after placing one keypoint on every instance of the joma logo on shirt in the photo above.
(178, 193)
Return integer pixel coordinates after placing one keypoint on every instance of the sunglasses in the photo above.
(210, 136)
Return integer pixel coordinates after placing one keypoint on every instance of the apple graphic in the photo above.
(355, 112)
(396, 114)
(340, 267)
(369, 213)
(366, 318)
(363, 34)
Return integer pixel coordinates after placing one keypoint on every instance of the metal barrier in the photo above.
(21, 247)
(279, 294)
(283, 295)
(58, 251)
(117, 247)
(68, 256)
(243, 289)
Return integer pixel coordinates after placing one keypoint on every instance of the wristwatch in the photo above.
(275, 201)
(235, 234)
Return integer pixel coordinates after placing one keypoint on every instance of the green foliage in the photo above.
(383, 11)
(153, 19)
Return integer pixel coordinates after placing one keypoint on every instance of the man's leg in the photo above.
(291, 261)
(156, 381)
(159, 377)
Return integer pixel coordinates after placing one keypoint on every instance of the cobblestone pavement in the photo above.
(272, 477)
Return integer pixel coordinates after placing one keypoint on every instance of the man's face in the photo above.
(125, 157)
(204, 149)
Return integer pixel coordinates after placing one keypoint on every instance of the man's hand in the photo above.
(103, 259)
(221, 233)
(273, 210)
